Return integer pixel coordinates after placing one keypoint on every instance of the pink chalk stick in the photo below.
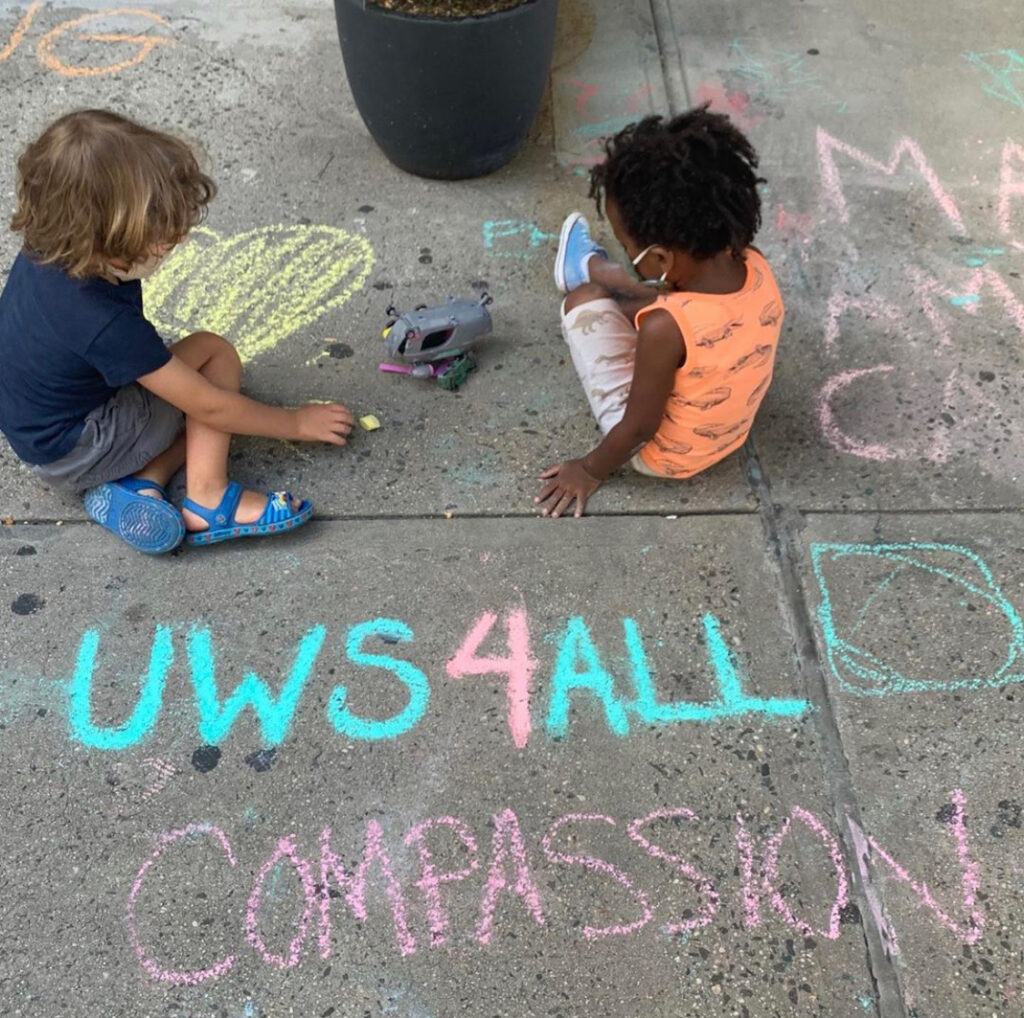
(430, 880)
(832, 186)
(332, 868)
(703, 883)
(519, 666)
(151, 967)
(507, 847)
(285, 849)
(595, 865)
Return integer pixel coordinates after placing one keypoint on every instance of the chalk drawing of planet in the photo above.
(911, 618)
(259, 287)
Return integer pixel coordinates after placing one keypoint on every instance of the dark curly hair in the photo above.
(688, 182)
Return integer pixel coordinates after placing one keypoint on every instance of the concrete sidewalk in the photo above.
(743, 746)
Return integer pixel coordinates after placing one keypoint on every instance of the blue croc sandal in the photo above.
(575, 246)
(148, 524)
(278, 517)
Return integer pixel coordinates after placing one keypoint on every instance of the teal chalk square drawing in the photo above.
(871, 596)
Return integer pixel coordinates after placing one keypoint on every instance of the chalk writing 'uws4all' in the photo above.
(579, 673)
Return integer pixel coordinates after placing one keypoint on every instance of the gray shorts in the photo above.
(119, 438)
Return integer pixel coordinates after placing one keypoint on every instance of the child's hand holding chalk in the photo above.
(321, 421)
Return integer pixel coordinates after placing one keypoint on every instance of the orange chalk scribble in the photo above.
(146, 43)
(19, 30)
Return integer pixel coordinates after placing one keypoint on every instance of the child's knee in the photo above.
(219, 356)
(585, 294)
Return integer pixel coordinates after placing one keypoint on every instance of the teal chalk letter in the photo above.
(147, 709)
(275, 716)
(731, 701)
(577, 644)
(367, 729)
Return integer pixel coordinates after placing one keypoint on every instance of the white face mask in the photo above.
(639, 258)
(140, 270)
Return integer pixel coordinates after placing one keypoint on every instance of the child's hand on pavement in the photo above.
(324, 422)
(567, 482)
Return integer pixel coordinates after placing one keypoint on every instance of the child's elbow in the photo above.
(641, 432)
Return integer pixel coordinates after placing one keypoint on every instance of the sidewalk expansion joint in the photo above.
(780, 528)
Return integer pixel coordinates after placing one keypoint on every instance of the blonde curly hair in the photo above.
(96, 187)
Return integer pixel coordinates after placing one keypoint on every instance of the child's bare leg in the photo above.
(206, 449)
(617, 280)
(163, 467)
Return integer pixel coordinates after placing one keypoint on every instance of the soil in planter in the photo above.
(449, 8)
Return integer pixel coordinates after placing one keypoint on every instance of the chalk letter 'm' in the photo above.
(332, 868)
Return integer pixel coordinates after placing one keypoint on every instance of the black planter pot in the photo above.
(447, 98)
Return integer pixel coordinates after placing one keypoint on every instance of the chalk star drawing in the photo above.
(774, 73)
(1005, 74)
(259, 287)
(772, 76)
(961, 584)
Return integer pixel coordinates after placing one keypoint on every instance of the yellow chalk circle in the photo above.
(259, 287)
(369, 423)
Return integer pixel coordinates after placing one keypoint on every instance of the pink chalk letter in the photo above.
(832, 185)
(1011, 184)
(430, 880)
(970, 877)
(332, 868)
(519, 666)
(703, 883)
(763, 882)
(508, 846)
(285, 850)
(151, 967)
(830, 428)
(589, 862)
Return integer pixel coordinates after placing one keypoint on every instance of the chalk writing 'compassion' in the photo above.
(579, 676)
(328, 887)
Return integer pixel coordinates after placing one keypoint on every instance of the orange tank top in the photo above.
(730, 341)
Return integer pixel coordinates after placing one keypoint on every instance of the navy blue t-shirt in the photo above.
(66, 346)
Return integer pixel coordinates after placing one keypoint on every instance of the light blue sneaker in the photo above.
(575, 246)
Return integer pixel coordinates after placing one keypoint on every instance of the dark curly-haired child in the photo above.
(675, 366)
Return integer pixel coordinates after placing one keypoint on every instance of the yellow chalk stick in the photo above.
(369, 423)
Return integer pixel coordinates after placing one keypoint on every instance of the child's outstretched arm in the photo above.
(659, 353)
(235, 414)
